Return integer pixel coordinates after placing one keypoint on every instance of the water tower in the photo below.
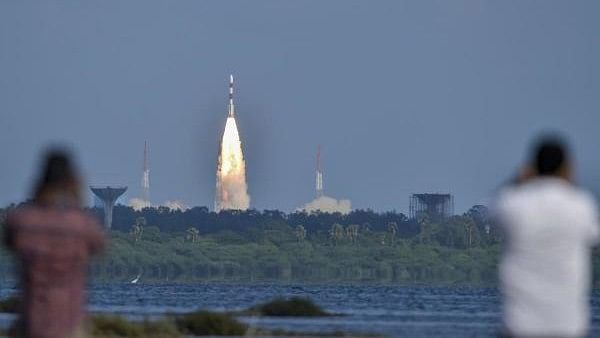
(108, 196)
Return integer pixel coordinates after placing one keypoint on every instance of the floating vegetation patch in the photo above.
(288, 307)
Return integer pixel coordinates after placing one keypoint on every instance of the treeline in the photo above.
(363, 246)
(161, 244)
(169, 220)
(280, 256)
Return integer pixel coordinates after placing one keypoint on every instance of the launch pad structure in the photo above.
(146, 178)
(434, 205)
(108, 195)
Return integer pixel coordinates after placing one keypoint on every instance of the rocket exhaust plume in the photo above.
(232, 190)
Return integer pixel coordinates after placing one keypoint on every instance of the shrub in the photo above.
(115, 326)
(204, 323)
(292, 307)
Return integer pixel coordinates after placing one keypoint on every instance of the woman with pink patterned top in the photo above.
(53, 239)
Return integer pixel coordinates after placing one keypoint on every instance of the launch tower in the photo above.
(319, 175)
(146, 178)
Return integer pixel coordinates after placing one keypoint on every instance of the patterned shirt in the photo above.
(53, 246)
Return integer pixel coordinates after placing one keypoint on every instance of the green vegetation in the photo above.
(115, 326)
(361, 247)
(204, 323)
(201, 323)
(233, 246)
(293, 307)
(278, 256)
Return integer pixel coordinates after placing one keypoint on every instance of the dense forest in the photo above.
(162, 244)
(196, 245)
(364, 246)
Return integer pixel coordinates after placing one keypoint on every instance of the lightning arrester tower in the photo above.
(319, 175)
(108, 195)
(146, 178)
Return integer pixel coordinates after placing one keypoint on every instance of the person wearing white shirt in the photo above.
(550, 227)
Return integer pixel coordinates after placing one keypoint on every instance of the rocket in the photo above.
(231, 106)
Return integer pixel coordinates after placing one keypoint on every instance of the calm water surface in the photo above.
(396, 311)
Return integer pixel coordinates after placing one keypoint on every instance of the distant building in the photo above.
(433, 205)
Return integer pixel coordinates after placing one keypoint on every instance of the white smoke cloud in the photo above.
(176, 205)
(138, 204)
(328, 204)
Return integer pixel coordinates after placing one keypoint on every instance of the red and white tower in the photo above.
(146, 178)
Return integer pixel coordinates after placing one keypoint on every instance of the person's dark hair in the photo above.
(550, 155)
(58, 182)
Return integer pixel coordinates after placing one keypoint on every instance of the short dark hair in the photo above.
(58, 175)
(550, 155)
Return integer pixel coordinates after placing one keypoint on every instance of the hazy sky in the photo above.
(420, 96)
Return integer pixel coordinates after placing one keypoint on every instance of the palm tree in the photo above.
(192, 234)
(426, 228)
(138, 228)
(336, 233)
(366, 227)
(352, 232)
(469, 227)
(300, 232)
(392, 229)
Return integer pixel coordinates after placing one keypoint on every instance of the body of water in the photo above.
(396, 311)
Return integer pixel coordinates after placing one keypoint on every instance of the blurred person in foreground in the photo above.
(550, 227)
(53, 240)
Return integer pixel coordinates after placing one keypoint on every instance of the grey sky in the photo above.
(404, 96)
